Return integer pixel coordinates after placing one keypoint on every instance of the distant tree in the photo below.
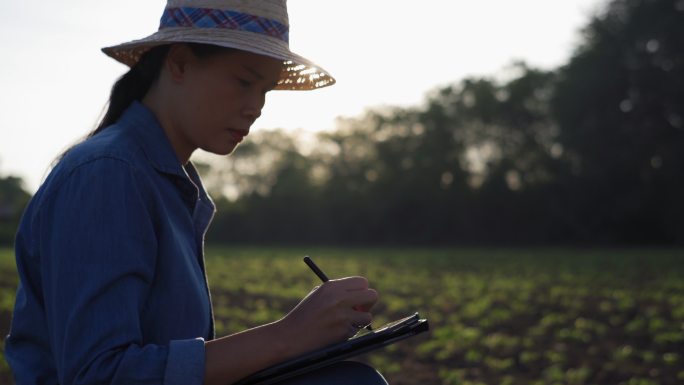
(265, 192)
(590, 153)
(620, 106)
(500, 139)
(452, 171)
(13, 200)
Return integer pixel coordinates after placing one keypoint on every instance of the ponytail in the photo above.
(132, 86)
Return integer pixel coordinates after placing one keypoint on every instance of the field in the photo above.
(498, 316)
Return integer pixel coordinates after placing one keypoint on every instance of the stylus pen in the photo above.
(315, 269)
(309, 262)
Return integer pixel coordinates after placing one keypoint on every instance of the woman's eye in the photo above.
(244, 83)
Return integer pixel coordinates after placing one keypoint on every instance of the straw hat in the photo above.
(258, 26)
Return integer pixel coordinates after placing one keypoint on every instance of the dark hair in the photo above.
(135, 83)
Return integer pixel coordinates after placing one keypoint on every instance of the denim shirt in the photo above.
(110, 259)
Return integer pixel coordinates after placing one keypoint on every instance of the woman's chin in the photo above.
(223, 149)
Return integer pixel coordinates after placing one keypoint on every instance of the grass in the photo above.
(498, 316)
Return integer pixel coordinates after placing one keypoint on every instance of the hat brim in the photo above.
(298, 72)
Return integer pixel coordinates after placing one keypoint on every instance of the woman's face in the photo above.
(219, 98)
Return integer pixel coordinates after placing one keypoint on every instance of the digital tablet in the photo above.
(361, 343)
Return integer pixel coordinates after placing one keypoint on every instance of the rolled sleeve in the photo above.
(185, 364)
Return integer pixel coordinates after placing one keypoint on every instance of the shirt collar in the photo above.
(152, 138)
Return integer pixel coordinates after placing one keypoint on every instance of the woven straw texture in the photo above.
(298, 72)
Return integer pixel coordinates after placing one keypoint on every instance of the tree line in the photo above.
(589, 153)
(13, 200)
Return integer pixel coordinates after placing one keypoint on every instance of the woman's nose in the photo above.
(251, 113)
(253, 106)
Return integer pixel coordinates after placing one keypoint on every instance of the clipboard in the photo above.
(359, 344)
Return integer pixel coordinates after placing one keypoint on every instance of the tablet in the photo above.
(361, 343)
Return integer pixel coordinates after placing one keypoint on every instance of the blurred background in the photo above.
(455, 127)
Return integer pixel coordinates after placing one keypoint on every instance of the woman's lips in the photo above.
(237, 135)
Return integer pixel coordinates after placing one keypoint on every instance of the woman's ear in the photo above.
(177, 60)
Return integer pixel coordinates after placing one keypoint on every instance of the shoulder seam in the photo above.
(68, 173)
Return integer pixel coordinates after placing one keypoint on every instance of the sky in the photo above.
(55, 81)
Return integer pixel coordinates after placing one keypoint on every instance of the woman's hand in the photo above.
(330, 313)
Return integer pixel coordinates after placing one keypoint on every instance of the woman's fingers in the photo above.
(355, 295)
(331, 311)
(353, 292)
(364, 301)
(360, 319)
(350, 283)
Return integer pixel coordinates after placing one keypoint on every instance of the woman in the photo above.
(110, 249)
